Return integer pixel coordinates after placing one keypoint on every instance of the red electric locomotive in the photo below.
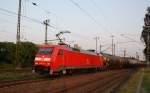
(62, 58)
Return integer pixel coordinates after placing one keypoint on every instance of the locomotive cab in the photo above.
(48, 57)
(43, 59)
(44, 55)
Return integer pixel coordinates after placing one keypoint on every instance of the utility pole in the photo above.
(124, 53)
(100, 48)
(96, 38)
(137, 56)
(46, 23)
(18, 35)
(148, 43)
(96, 44)
(112, 44)
(114, 49)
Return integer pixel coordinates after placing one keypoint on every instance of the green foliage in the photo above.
(4, 65)
(145, 36)
(27, 51)
(146, 82)
(7, 50)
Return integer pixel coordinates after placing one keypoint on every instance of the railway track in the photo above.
(96, 85)
(109, 83)
(8, 83)
(98, 82)
(15, 70)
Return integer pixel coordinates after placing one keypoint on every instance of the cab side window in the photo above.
(60, 52)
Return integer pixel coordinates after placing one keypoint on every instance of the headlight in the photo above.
(36, 63)
(37, 59)
(47, 59)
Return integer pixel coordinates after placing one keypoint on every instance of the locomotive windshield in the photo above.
(45, 50)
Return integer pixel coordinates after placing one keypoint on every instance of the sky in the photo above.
(85, 19)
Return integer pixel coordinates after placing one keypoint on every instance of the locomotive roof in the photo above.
(68, 48)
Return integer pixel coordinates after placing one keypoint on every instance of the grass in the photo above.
(146, 82)
(17, 75)
(131, 85)
(6, 65)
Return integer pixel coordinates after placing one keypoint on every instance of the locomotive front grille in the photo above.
(42, 69)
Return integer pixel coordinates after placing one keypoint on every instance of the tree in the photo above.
(27, 53)
(145, 36)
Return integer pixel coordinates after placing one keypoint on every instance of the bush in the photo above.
(7, 52)
(27, 51)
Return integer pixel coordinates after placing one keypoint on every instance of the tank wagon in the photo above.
(113, 62)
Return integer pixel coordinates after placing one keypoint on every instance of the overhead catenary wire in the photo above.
(106, 49)
(127, 37)
(26, 17)
(35, 4)
(10, 13)
(23, 7)
(103, 15)
(98, 8)
(90, 16)
(11, 22)
(29, 18)
(54, 26)
(14, 14)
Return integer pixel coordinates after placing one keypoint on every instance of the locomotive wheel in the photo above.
(33, 71)
(51, 72)
(64, 72)
(69, 72)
